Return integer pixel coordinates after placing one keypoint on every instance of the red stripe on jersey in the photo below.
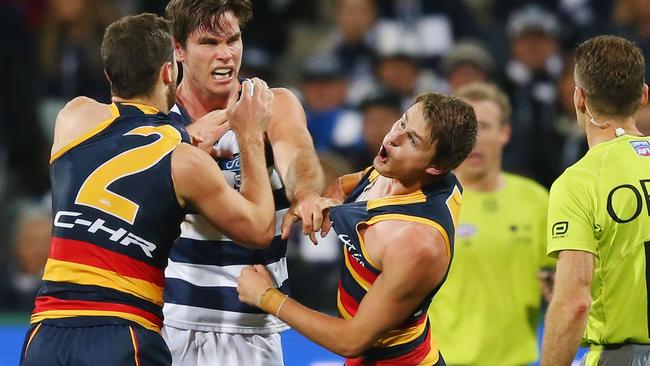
(46, 303)
(350, 304)
(415, 357)
(360, 270)
(89, 254)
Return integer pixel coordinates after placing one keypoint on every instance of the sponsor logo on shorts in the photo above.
(560, 229)
(641, 147)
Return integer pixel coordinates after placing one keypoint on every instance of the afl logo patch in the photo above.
(559, 229)
(642, 147)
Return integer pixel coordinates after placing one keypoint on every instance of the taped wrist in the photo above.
(272, 301)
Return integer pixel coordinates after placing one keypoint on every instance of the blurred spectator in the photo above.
(333, 125)
(351, 41)
(466, 62)
(632, 18)
(580, 19)
(31, 243)
(69, 52)
(379, 112)
(22, 142)
(401, 73)
(529, 80)
(570, 143)
(410, 25)
(353, 37)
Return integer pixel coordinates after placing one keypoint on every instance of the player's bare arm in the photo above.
(318, 210)
(567, 314)
(413, 258)
(295, 158)
(247, 218)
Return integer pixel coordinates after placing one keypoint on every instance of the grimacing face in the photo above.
(407, 150)
(492, 137)
(212, 57)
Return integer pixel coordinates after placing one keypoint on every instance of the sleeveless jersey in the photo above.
(200, 279)
(116, 216)
(436, 205)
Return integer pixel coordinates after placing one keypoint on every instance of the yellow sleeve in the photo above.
(570, 222)
(546, 262)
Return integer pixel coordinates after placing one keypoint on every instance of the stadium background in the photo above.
(342, 58)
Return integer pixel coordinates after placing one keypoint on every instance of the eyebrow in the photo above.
(412, 134)
(210, 36)
(234, 37)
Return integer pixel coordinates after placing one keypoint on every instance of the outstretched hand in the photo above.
(313, 210)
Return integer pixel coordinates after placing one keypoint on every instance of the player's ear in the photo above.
(644, 95)
(579, 99)
(432, 170)
(506, 132)
(179, 52)
(167, 71)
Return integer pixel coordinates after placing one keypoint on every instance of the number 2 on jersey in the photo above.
(94, 191)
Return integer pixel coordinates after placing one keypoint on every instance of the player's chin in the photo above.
(382, 167)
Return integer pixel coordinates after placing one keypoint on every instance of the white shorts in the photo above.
(196, 348)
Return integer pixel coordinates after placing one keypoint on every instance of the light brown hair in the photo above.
(133, 50)
(478, 92)
(452, 126)
(611, 71)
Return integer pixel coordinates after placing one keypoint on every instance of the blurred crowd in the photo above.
(356, 64)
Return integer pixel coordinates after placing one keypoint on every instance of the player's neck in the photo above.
(157, 103)
(197, 102)
(615, 127)
(490, 181)
(386, 187)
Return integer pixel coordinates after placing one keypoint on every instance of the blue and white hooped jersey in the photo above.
(200, 279)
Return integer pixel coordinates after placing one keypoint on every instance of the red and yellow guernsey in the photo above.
(436, 205)
(115, 218)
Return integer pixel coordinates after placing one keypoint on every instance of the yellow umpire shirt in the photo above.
(488, 310)
(601, 205)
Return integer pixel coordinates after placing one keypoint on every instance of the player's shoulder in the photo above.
(77, 117)
(287, 111)
(424, 241)
(83, 107)
(578, 181)
(285, 98)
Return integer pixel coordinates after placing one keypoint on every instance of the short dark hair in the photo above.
(188, 15)
(611, 71)
(134, 49)
(453, 128)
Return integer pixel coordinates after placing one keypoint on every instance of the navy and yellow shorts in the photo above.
(98, 345)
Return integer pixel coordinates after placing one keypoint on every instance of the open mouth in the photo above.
(222, 74)
(383, 154)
